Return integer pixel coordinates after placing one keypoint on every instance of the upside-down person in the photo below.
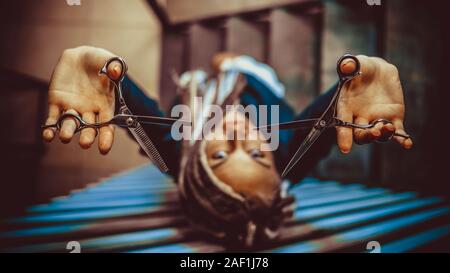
(229, 187)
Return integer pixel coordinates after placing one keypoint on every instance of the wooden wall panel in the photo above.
(294, 53)
(205, 40)
(174, 59)
(247, 37)
(195, 10)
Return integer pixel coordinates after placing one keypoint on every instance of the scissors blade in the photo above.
(140, 136)
(326, 120)
(296, 124)
(157, 120)
(149, 148)
(128, 120)
(310, 139)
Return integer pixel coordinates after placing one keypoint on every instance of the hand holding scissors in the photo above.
(121, 120)
(76, 88)
(81, 99)
(349, 68)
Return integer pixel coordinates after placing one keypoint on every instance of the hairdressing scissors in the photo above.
(328, 118)
(123, 119)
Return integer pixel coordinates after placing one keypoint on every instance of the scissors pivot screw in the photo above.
(321, 124)
(130, 121)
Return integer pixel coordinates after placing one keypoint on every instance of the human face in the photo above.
(240, 163)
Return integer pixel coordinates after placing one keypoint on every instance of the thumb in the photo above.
(347, 66)
(114, 70)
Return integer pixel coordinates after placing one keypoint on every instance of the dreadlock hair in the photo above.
(214, 207)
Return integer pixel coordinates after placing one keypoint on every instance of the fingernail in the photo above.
(47, 134)
(104, 151)
(408, 144)
(85, 142)
(348, 66)
(117, 71)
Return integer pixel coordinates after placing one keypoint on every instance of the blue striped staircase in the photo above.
(137, 211)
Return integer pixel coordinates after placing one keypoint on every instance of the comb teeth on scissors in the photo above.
(148, 147)
(138, 132)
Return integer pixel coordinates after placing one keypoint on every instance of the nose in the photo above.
(238, 129)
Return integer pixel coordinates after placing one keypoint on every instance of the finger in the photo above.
(53, 115)
(348, 66)
(386, 131)
(406, 143)
(368, 64)
(106, 133)
(68, 127)
(114, 70)
(375, 131)
(361, 136)
(344, 134)
(88, 135)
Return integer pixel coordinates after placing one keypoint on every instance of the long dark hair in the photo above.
(217, 209)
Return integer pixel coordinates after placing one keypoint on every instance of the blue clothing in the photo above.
(256, 93)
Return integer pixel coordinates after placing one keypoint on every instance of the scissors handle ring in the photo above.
(343, 75)
(367, 126)
(123, 65)
(80, 123)
(386, 138)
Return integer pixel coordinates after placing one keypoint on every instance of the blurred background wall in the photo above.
(34, 34)
(301, 39)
